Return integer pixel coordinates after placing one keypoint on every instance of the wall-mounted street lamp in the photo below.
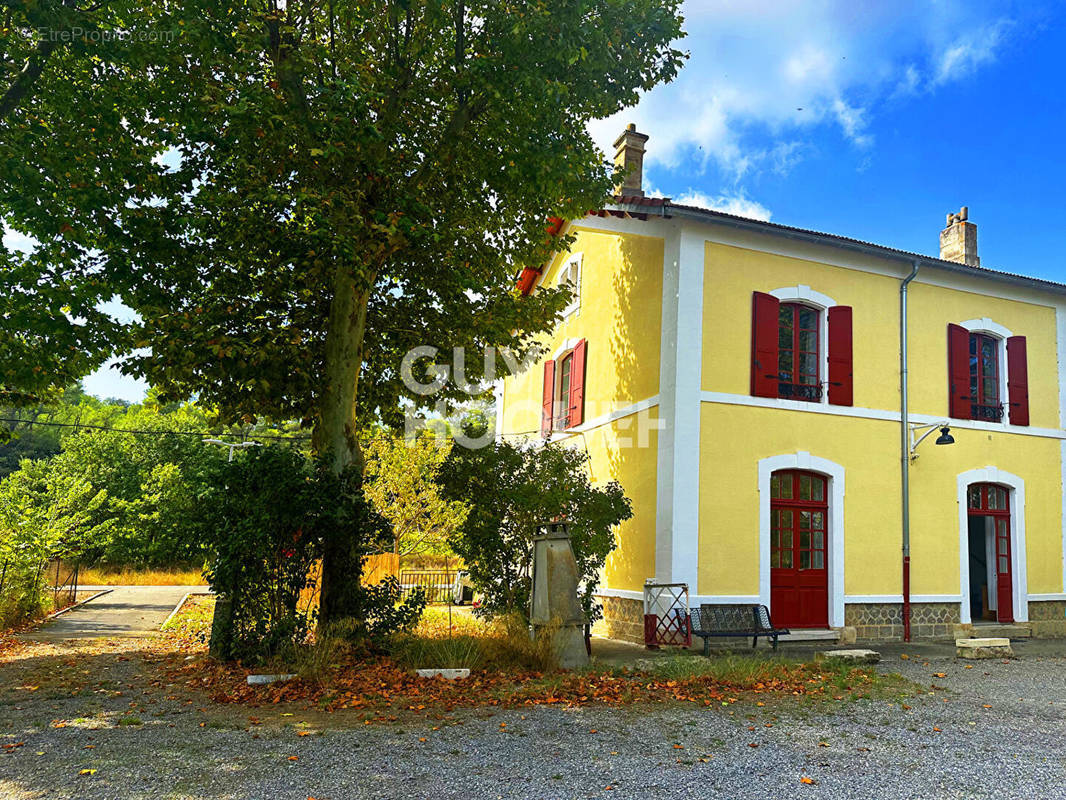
(945, 436)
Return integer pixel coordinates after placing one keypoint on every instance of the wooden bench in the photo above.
(713, 621)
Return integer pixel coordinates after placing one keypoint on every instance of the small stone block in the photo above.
(983, 648)
(447, 674)
(254, 680)
(851, 656)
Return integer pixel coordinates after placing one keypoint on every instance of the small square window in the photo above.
(570, 275)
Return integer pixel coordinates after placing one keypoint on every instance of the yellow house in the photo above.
(744, 381)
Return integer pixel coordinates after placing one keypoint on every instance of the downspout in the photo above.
(904, 452)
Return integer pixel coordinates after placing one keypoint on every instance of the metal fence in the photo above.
(440, 585)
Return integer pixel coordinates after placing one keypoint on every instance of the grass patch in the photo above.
(125, 576)
(130, 721)
(758, 673)
(455, 652)
(191, 626)
(733, 669)
(503, 644)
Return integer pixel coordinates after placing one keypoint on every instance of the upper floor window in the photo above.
(563, 395)
(987, 373)
(801, 347)
(570, 274)
(799, 328)
(984, 378)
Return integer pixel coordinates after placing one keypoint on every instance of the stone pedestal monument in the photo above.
(556, 609)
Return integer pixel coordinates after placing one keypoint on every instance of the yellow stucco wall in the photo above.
(620, 317)
(619, 451)
(733, 273)
(737, 437)
(931, 308)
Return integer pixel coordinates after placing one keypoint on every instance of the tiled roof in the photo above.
(665, 207)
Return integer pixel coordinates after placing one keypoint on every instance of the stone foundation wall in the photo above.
(623, 618)
(1048, 618)
(885, 620)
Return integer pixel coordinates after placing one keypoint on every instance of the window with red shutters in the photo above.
(798, 351)
(564, 390)
(788, 348)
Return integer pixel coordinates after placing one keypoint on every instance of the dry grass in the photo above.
(104, 576)
(504, 643)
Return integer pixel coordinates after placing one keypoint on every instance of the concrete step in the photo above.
(811, 635)
(995, 630)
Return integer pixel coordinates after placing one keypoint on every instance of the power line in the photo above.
(138, 431)
(145, 432)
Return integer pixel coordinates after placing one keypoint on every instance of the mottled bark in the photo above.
(335, 439)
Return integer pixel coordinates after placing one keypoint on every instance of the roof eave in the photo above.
(668, 209)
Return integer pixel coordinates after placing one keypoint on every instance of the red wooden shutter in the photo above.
(576, 401)
(548, 399)
(840, 381)
(1017, 381)
(764, 326)
(958, 372)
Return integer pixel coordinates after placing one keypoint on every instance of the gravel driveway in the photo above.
(996, 730)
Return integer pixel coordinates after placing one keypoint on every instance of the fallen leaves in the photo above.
(807, 780)
(87, 772)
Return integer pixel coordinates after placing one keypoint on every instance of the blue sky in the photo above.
(865, 119)
(871, 120)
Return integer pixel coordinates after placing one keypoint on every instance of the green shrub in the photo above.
(273, 512)
(511, 491)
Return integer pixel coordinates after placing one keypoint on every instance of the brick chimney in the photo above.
(629, 154)
(958, 241)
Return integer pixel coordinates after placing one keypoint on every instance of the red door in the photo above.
(799, 578)
(990, 500)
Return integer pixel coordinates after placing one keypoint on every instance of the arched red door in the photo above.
(992, 501)
(799, 574)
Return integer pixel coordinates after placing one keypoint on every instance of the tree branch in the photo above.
(27, 77)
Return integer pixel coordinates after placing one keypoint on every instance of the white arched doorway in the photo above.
(1019, 584)
(834, 528)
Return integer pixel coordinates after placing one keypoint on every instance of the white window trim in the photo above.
(1001, 334)
(834, 529)
(822, 302)
(1019, 573)
(575, 259)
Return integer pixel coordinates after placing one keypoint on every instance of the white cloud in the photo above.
(738, 204)
(768, 74)
(970, 51)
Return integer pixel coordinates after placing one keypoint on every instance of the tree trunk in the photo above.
(334, 439)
